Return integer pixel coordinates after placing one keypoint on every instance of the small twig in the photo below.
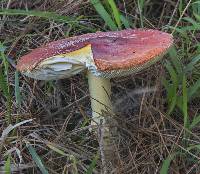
(181, 16)
(174, 12)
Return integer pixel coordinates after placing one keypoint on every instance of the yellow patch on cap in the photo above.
(64, 65)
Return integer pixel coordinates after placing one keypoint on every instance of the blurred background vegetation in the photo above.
(44, 126)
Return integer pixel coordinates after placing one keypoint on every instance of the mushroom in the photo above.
(104, 55)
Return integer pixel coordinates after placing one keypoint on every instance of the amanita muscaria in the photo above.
(104, 55)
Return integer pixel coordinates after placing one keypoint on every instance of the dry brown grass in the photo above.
(60, 110)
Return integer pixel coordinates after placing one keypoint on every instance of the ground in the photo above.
(157, 110)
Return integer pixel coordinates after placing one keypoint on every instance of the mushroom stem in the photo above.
(100, 91)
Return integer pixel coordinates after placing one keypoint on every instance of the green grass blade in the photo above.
(55, 149)
(192, 90)
(17, 90)
(178, 30)
(5, 88)
(116, 13)
(168, 87)
(175, 61)
(8, 165)
(166, 164)
(44, 14)
(125, 21)
(185, 101)
(140, 4)
(92, 165)
(172, 73)
(190, 20)
(196, 7)
(37, 159)
(173, 88)
(195, 121)
(104, 14)
(3, 84)
(2, 48)
(3, 57)
(191, 147)
(180, 6)
(195, 25)
(189, 67)
(191, 28)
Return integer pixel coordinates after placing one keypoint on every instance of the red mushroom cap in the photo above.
(118, 50)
